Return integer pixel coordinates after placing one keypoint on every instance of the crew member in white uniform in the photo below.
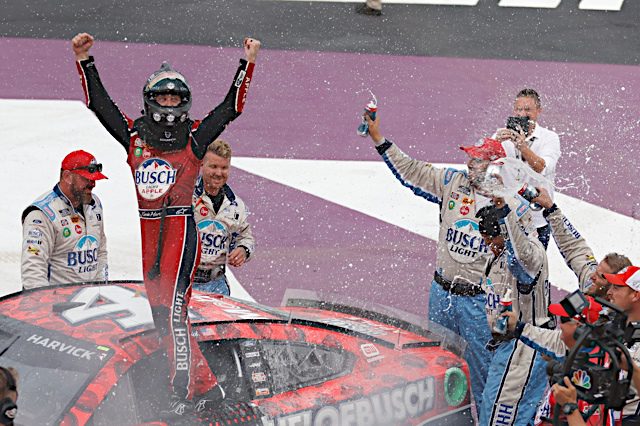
(221, 217)
(63, 238)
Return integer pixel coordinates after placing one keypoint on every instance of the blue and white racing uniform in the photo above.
(574, 249)
(517, 375)
(456, 298)
(220, 233)
(61, 245)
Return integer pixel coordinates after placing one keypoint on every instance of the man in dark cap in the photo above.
(517, 270)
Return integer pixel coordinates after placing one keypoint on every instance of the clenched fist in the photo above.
(251, 47)
(81, 44)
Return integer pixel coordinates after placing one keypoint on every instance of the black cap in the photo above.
(490, 220)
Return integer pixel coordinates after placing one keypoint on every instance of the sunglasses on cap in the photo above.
(91, 168)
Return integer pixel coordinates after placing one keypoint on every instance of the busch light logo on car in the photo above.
(154, 177)
(464, 241)
(214, 237)
(84, 257)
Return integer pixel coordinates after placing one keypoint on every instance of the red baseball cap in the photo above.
(84, 164)
(590, 313)
(629, 276)
(485, 149)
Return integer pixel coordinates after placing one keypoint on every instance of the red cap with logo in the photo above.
(485, 149)
(84, 164)
(629, 276)
(590, 313)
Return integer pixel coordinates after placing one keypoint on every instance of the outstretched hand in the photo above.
(81, 44)
(251, 47)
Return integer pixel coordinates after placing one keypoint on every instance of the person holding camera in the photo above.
(625, 293)
(577, 253)
(516, 380)
(456, 298)
(566, 396)
(539, 147)
(554, 345)
(8, 396)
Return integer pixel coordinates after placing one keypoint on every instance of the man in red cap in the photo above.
(625, 293)
(577, 253)
(63, 238)
(554, 344)
(456, 299)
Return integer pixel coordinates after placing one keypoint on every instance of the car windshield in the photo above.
(53, 369)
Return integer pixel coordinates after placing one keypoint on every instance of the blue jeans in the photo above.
(218, 285)
(465, 316)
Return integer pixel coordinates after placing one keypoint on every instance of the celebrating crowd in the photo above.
(491, 248)
(492, 244)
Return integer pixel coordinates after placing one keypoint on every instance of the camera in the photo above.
(518, 124)
(594, 363)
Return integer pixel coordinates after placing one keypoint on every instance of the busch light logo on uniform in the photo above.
(154, 177)
(84, 257)
(464, 241)
(214, 237)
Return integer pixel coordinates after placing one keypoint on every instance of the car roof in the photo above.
(109, 313)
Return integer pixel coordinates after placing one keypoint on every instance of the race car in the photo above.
(89, 355)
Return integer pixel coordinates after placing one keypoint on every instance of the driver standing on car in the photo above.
(164, 151)
(63, 238)
(8, 396)
(221, 217)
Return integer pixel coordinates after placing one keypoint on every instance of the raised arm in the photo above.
(526, 255)
(231, 107)
(96, 96)
(574, 248)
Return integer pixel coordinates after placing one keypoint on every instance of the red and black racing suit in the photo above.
(165, 163)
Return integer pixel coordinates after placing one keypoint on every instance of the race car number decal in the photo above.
(99, 302)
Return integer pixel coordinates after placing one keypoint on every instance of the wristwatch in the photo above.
(569, 408)
(247, 252)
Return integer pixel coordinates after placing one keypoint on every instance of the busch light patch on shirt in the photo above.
(84, 257)
(154, 177)
(214, 237)
(464, 241)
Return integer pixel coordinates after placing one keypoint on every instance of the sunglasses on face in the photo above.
(564, 320)
(91, 168)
